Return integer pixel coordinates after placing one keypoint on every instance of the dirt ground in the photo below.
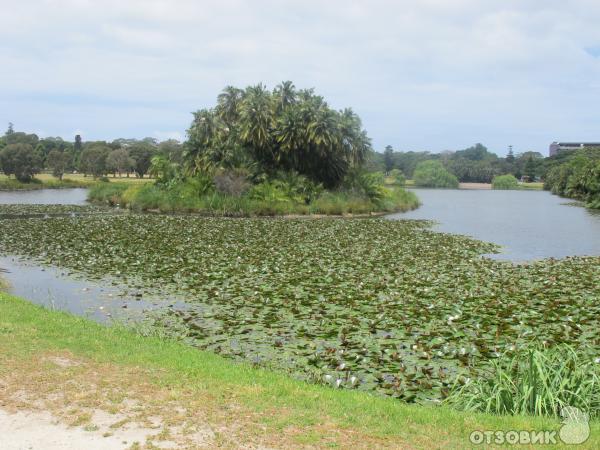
(474, 186)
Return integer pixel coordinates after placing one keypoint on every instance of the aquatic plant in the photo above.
(381, 305)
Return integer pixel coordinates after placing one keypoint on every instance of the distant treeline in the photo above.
(475, 164)
(23, 155)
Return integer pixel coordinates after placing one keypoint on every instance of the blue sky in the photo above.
(423, 75)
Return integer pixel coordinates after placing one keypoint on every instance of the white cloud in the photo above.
(431, 74)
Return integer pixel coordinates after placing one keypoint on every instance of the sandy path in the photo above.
(39, 430)
(475, 186)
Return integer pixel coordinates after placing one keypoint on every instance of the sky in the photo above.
(423, 74)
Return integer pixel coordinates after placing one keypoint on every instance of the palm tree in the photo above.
(256, 121)
(228, 104)
(285, 95)
(202, 137)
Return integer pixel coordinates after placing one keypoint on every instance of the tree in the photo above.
(142, 153)
(19, 160)
(434, 174)
(119, 161)
(510, 158)
(388, 158)
(162, 169)
(11, 129)
(78, 145)
(93, 159)
(172, 150)
(529, 170)
(18, 137)
(57, 161)
(269, 132)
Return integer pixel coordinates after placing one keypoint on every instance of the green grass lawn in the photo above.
(537, 186)
(70, 180)
(288, 412)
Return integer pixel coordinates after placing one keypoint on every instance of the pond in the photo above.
(529, 225)
(77, 196)
(378, 305)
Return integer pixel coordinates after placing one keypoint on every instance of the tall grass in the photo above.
(537, 381)
(185, 197)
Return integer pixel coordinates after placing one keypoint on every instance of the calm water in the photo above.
(45, 197)
(100, 300)
(527, 224)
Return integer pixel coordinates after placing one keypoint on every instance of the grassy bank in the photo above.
(247, 405)
(150, 197)
(47, 181)
(10, 184)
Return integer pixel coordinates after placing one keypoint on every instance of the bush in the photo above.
(398, 177)
(109, 193)
(537, 381)
(505, 182)
(433, 174)
(270, 191)
(231, 182)
(369, 185)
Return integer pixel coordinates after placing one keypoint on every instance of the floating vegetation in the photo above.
(371, 304)
(11, 211)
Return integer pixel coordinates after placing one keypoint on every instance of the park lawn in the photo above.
(536, 186)
(70, 180)
(248, 406)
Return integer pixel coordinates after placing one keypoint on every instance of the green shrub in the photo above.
(398, 177)
(505, 182)
(109, 193)
(536, 381)
(432, 173)
(270, 191)
(270, 197)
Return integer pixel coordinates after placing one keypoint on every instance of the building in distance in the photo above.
(556, 147)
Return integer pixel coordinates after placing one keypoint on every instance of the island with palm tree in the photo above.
(263, 152)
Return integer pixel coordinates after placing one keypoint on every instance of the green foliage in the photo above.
(291, 194)
(388, 158)
(119, 161)
(577, 177)
(93, 159)
(505, 182)
(141, 153)
(283, 130)
(362, 184)
(107, 193)
(162, 169)
(19, 160)
(535, 381)
(398, 177)
(433, 174)
(270, 191)
(57, 161)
